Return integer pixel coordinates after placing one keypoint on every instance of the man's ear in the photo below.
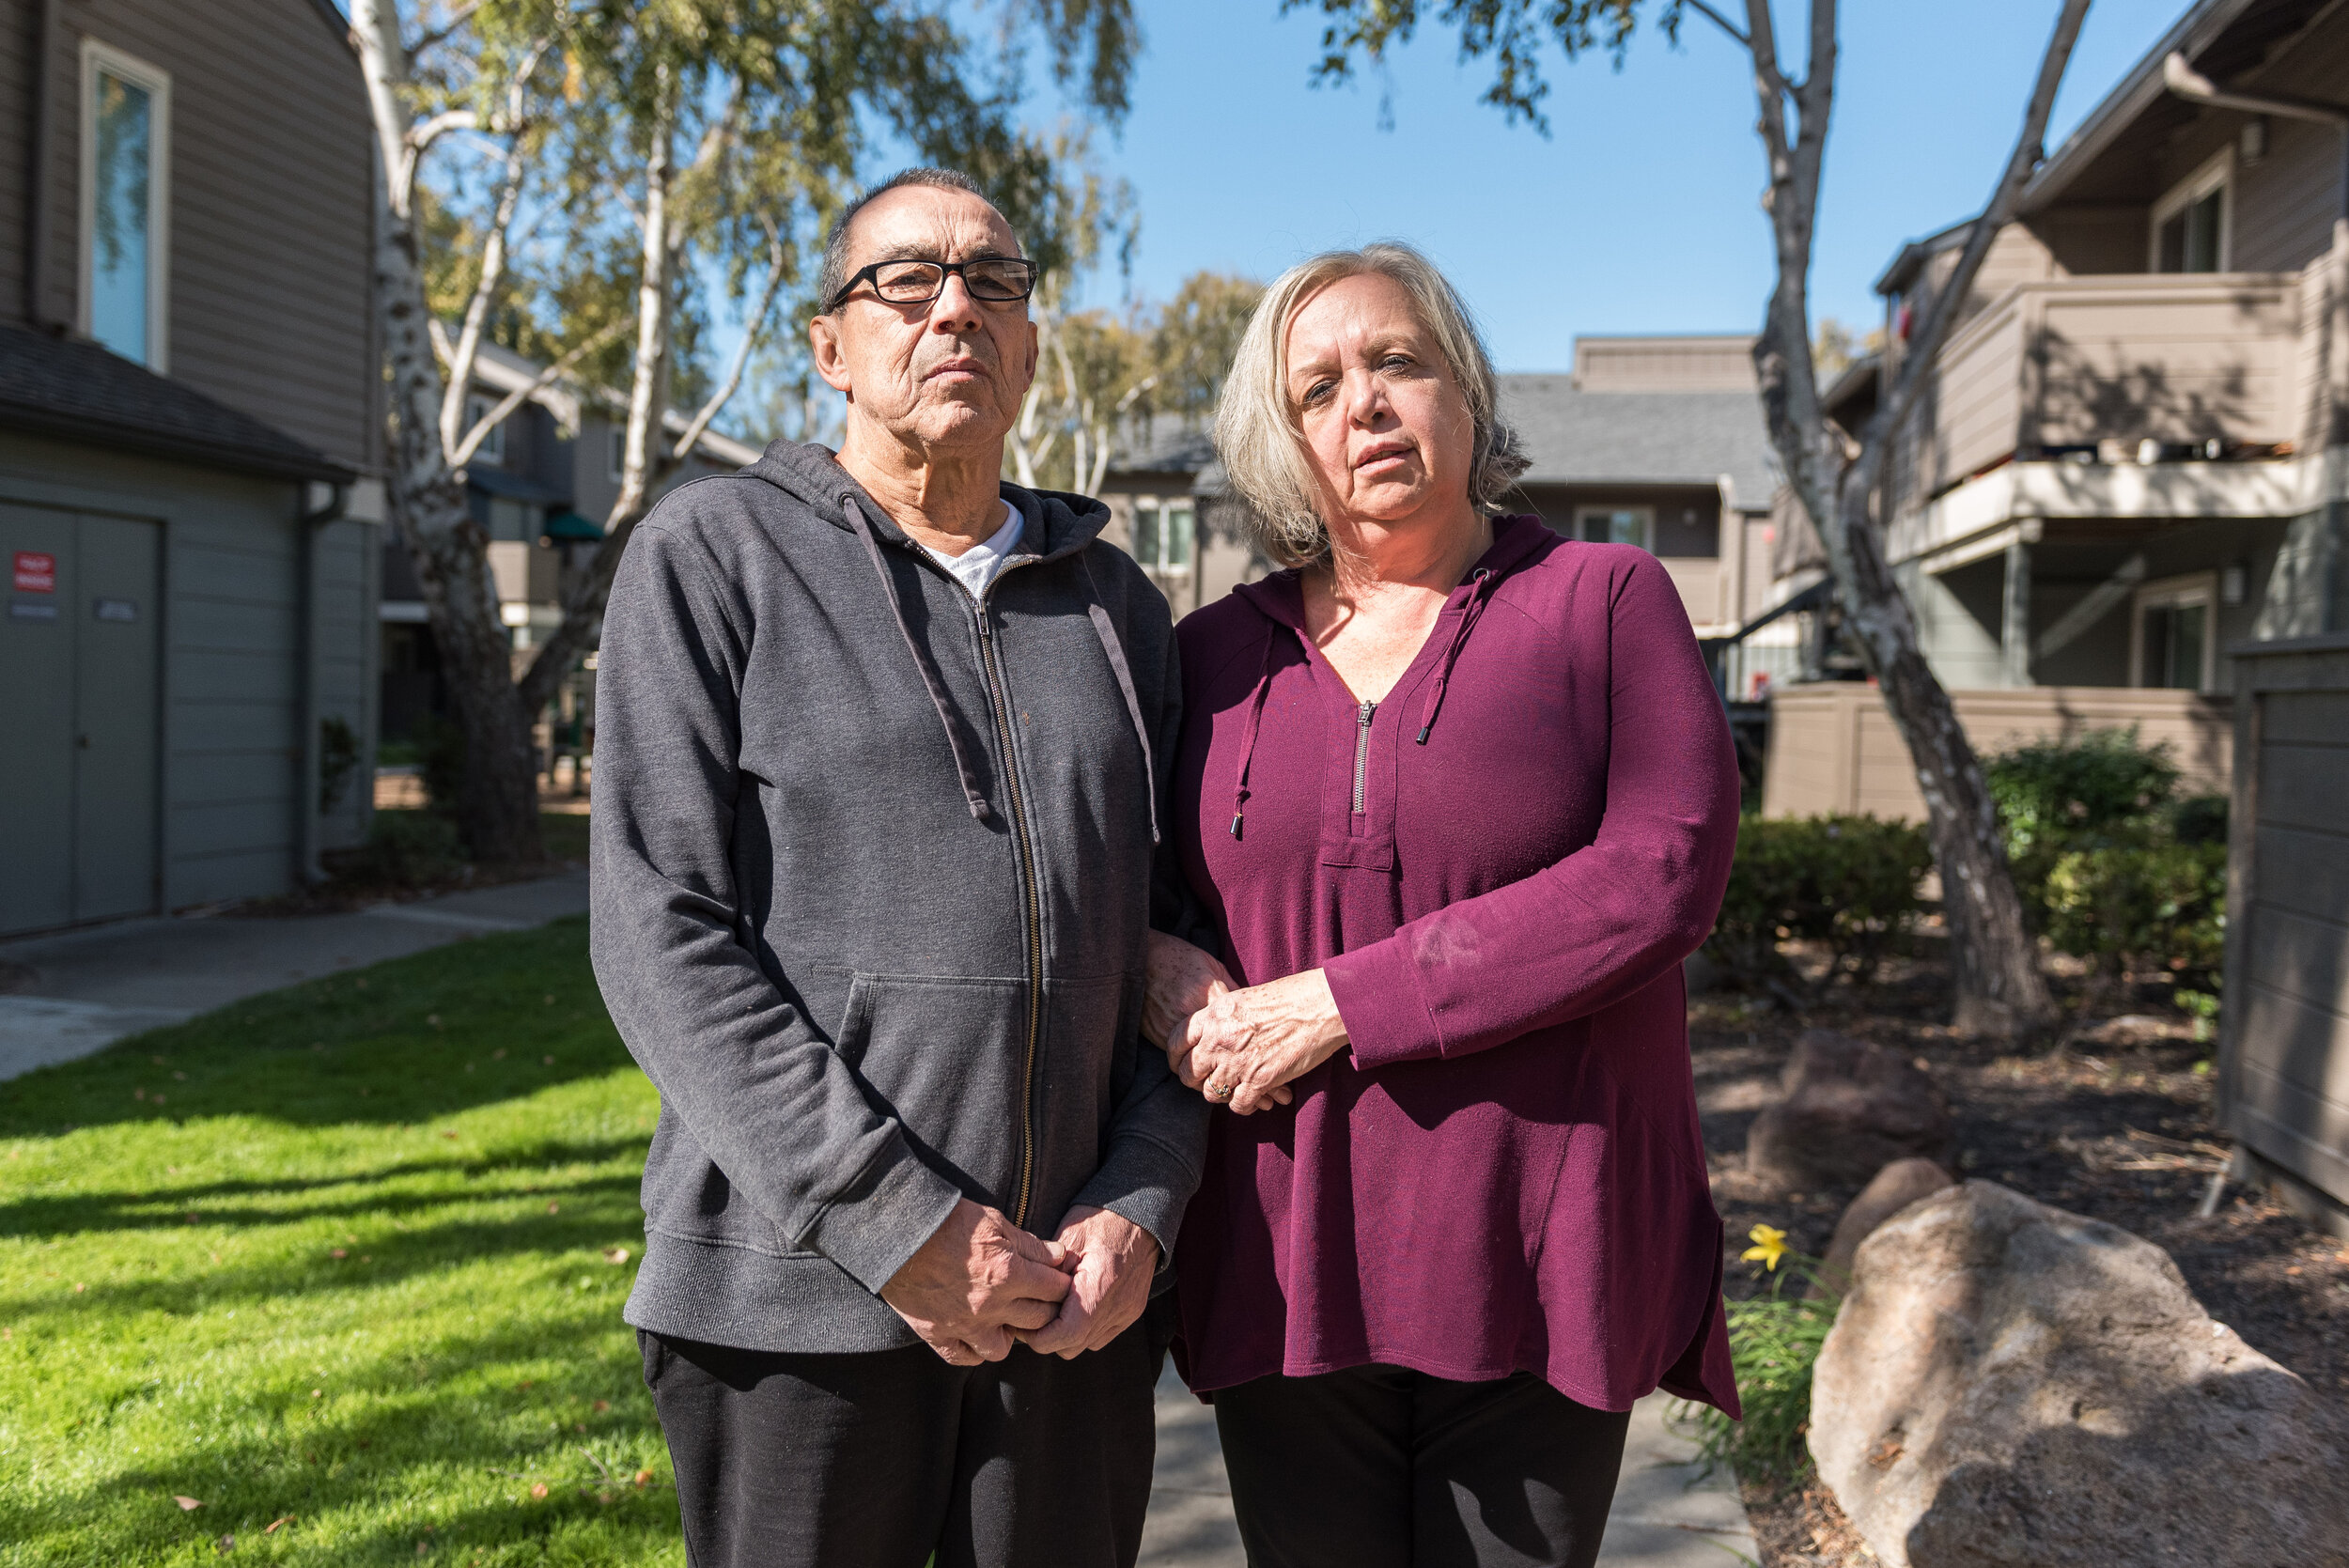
(831, 359)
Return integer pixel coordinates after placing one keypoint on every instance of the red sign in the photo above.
(36, 573)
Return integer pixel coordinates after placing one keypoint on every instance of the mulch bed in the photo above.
(2112, 1120)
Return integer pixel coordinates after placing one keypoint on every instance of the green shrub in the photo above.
(2059, 797)
(406, 849)
(1847, 881)
(2163, 904)
(439, 760)
(339, 759)
(2198, 819)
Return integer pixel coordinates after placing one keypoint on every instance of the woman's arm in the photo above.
(1610, 917)
(1562, 943)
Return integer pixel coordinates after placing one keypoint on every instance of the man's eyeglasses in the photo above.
(996, 279)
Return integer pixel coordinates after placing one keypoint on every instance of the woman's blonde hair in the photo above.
(1257, 433)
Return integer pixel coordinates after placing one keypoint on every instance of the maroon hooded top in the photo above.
(1501, 865)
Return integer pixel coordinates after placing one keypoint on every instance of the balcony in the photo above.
(2093, 368)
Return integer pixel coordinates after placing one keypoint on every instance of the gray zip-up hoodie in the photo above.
(871, 882)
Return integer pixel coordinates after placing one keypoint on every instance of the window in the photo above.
(492, 447)
(126, 183)
(1163, 534)
(619, 453)
(2173, 641)
(2190, 223)
(1620, 525)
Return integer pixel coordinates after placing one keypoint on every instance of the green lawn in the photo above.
(337, 1256)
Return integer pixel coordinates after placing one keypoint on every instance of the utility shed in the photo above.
(186, 605)
(2283, 1061)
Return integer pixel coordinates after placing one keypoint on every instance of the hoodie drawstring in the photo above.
(1248, 735)
(1116, 652)
(930, 677)
(1478, 597)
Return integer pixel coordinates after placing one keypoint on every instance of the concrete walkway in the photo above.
(89, 988)
(1664, 1517)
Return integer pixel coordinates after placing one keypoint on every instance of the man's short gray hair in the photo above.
(834, 275)
(1257, 433)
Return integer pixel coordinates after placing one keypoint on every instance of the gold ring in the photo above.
(1217, 1092)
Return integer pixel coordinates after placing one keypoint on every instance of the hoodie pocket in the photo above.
(955, 1061)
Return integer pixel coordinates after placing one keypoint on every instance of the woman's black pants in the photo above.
(1381, 1466)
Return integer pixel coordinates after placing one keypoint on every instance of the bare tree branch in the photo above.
(462, 451)
(1718, 20)
(1940, 315)
(425, 132)
(751, 326)
(493, 252)
(459, 15)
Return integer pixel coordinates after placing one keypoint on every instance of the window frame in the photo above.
(1582, 515)
(2216, 174)
(616, 450)
(156, 83)
(1161, 506)
(2170, 593)
(493, 448)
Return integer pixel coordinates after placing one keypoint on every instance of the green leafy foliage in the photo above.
(1516, 34)
(1847, 881)
(339, 759)
(2055, 798)
(2127, 905)
(406, 849)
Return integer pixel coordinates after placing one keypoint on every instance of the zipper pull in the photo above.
(1363, 717)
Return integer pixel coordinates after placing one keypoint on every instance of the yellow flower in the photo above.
(1769, 1244)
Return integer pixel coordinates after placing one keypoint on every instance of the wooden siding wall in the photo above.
(1663, 364)
(1833, 747)
(270, 203)
(2174, 357)
(2284, 1040)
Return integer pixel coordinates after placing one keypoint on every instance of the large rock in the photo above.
(1851, 1108)
(1897, 1185)
(2010, 1386)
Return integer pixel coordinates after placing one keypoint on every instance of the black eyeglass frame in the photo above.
(871, 274)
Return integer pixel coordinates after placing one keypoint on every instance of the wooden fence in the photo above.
(1833, 747)
(2284, 1057)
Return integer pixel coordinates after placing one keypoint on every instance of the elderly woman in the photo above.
(1459, 796)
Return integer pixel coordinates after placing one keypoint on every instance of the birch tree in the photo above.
(672, 138)
(1998, 983)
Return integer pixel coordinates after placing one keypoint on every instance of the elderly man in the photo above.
(880, 765)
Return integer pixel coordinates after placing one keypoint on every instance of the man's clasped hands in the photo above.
(981, 1282)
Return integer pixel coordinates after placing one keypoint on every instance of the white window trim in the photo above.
(2216, 175)
(1160, 504)
(615, 451)
(2166, 593)
(157, 82)
(1646, 516)
(492, 447)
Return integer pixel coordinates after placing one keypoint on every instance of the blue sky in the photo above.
(1639, 214)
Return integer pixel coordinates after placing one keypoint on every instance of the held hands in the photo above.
(977, 1280)
(1114, 1260)
(1182, 980)
(1242, 1047)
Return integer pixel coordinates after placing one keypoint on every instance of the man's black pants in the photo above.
(1381, 1466)
(879, 1460)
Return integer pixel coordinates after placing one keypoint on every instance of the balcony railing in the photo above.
(2091, 367)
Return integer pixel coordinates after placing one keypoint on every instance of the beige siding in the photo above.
(2284, 1049)
(1833, 747)
(1663, 364)
(270, 205)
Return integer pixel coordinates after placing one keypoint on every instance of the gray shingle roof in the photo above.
(1165, 443)
(1645, 438)
(63, 387)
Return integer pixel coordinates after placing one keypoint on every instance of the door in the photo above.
(37, 734)
(80, 786)
(116, 675)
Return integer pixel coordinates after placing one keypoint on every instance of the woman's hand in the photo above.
(1181, 980)
(1244, 1046)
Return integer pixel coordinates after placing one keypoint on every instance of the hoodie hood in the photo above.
(1055, 523)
